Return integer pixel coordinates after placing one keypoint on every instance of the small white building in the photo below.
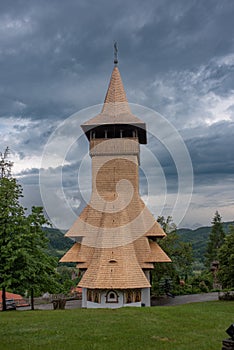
(115, 234)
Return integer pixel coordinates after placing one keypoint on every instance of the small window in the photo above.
(93, 295)
(89, 295)
(132, 296)
(112, 297)
(129, 297)
(137, 296)
(112, 261)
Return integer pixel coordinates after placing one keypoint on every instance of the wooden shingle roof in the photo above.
(116, 109)
(72, 255)
(116, 268)
(100, 228)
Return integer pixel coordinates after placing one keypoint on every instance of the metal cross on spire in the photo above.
(115, 53)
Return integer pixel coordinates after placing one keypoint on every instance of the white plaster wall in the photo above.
(92, 305)
(84, 297)
(133, 304)
(145, 292)
(112, 305)
(145, 296)
(103, 303)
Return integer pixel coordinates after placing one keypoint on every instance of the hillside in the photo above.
(58, 244)
(198, 238)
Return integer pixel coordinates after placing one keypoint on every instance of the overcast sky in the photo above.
(175, 57)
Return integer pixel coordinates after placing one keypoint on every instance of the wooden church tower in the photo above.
(115, 234)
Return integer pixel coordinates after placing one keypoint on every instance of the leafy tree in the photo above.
(65, 278)
(180, 253)
(12, 229)
(215, 241)
(226, 260)
(23, 260)
(201, 283)
(167, 224)
(40, 272)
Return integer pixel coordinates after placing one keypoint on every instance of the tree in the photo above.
(226, 260)
(167, 224)
(180, 253)
(40, 272)
(23, 260)
(12, 229)
(68, 277)
(215, 241)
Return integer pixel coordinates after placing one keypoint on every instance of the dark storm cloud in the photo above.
(55, 55)
(212, 154)
(175, 56)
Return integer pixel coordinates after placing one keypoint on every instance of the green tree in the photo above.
(215, 241)
(24, 262)
(40, 272)
(180, 253)
(65, 278)
(12, 229)
(167, 224)
(226, 260)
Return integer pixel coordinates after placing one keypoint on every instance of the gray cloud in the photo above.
(212, 153)
(54, 56)
(176, 57)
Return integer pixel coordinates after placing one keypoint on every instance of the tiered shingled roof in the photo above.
(116, 232)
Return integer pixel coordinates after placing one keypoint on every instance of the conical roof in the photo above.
(116, 110)
(116, 92)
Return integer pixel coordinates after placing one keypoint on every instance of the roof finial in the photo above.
(115, 53)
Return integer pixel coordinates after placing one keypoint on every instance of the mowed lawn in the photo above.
(199, 326)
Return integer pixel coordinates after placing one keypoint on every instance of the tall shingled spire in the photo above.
(115, 92)
(116, 110)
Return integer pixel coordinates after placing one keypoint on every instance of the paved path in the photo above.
(185, 299)
(70, 304)
(167, 301)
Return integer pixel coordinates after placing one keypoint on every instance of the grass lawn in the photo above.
(198, 326)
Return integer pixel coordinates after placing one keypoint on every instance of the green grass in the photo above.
(186, 327)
